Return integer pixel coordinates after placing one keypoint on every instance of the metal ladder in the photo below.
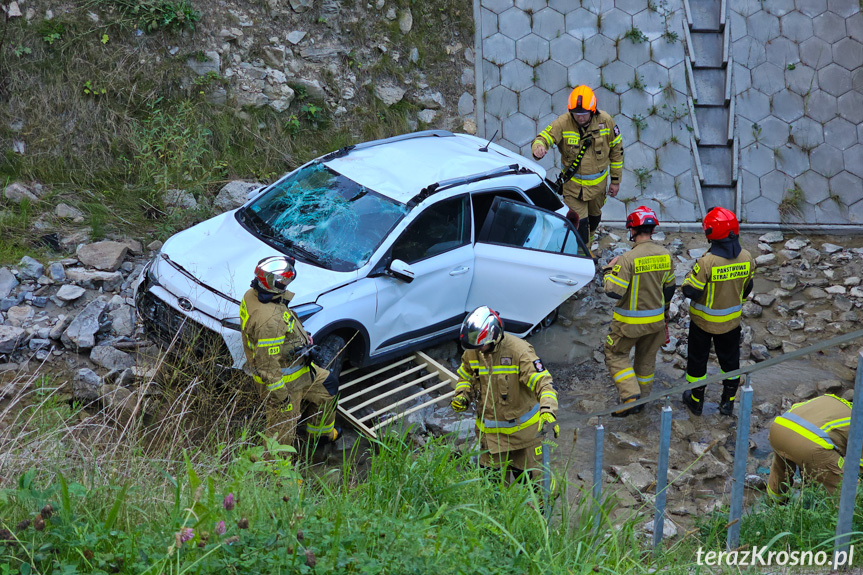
(360, 395)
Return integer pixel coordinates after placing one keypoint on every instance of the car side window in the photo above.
(527, 227)
(482, 204)
(441, 227)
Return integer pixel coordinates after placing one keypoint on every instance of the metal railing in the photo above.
(741, 452)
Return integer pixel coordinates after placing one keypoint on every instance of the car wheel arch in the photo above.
(358, 351)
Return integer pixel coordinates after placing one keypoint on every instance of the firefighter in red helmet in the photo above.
(642, 282)
(718, 284)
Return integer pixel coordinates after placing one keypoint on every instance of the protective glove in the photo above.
(549, 418)
(459, 403)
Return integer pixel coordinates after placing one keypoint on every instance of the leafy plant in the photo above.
(51, 31)
(670, 36)
(756, 131)
(791, 66)
(293, 124)
(152, 15)
(637, 82)
(91, 90)
(22, 50)
(792, 202)
(311, 112)
(642, 178)
(640, 123)
(635, 35)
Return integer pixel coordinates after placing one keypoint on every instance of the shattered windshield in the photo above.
(323, 217)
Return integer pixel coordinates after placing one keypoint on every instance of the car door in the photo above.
(527, 262)
(438, 250)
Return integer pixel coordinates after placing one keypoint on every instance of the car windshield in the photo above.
(323, 217)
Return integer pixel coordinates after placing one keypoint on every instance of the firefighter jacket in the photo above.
(511, 389)
(603, 156)
(822, 422)
(717, 287)
(642, 280)
(272, 337)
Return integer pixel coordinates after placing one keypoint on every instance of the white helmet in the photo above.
(275, 273)
(482, 326)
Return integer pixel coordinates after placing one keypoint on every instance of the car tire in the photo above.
(328, 349)
(546, 322)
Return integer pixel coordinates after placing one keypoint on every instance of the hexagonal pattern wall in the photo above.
(630, 52)
(801, 155)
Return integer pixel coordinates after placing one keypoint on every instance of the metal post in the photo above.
(738, 474)
(662, 473)
(546, 478)
(851, 468)
(597, 472)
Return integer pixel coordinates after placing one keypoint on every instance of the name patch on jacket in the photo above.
(729, 272)
(652, 264)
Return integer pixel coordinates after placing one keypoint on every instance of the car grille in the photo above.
(164, 323)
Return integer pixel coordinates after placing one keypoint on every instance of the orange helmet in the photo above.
(582, 100)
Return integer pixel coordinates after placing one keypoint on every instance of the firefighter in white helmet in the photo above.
(512, 391)
(278, 354)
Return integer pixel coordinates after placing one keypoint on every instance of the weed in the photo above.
(635, 35)
(677, 187)
(668, 91)
(653, 111)
(642, 178)
(674, 139)
(311, 112)
(756, 131)
(91, 90)
(657, 163)
(153, 15)
(790, 67)
(607, 85)
(640, 124)
(51, 31)
(792, 202)
(777, 153)
(293, 124)
(651, 5)
(670, 36)
(599, 21)
(22, 50)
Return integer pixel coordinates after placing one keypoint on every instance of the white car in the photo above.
(395, 241)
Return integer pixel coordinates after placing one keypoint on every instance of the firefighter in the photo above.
(642, 280)
(512, 391)
(278, 354)
(813, 436)
(593, 131)
(717, 286)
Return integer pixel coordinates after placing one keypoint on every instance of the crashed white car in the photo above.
(395, 241)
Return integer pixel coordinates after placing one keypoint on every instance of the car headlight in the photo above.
(306, 310)
(152, 274)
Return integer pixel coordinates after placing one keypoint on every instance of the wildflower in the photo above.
(310, 558)
(6, 537)
(47, 511)
(243, 523)
(23, 525)
(186, 534)
(220, 528)
(232, 540)
(300, 535)
(38, 523)
(228, 503)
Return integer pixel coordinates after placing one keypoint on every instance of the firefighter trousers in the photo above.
(517, 460)
(284, 415)
(727, 346)
(636, 378)
(790, 451)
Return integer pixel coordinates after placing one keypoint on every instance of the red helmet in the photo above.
(275, 273)
(720, 223)
(642, 216)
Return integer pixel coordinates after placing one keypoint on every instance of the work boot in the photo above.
(726, 404)
(631, 410)
(694, 400)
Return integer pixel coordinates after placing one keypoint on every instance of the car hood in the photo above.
(221, 254)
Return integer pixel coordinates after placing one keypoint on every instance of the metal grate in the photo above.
(383, 397)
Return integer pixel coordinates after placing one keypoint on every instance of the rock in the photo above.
(301, 5)
(764, 299)
(154, 246)
(234, 194)
(806, 390)
(10, 338)
(765, 260)
(634, 476)
(771, 237)
(829, 386)
(772, 342)
(81, 333)
(414, 56)
(39, 344)
(789, 254)
(406, 21)
(752, 309)
(105, 255)
(767, 409)
(389, 94)
(391, 14)
(842, 303)
(56, 271)
(295, 37)
(788, 282)
(696, 253)
(427, 116)
(753, 481)
(796, 244)
(469, 126)
(626, 441)
(669, 529)
(110, 358)
(829, 248)
(777, 328)
(852, 281)
(123, 320)
(14, 11)
(856, 292)
(70, 292)
(7, 282)
(19, 314)
(61, 325)
(93, 279)
(811, 255)
(86, 385)
(179, 199)
(682, 428)
(17, 192)
(814, 293)
(30, 269)
(465, 104)
(765, 248)
(795, 324)
(67, 212)
(211, 63)
(759, 352)
(836, 290)
(429, 99)
(789, 346)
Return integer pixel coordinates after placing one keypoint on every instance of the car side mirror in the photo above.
(252, 193)
(401, 271)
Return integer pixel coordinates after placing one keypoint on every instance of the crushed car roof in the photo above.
(399, 170)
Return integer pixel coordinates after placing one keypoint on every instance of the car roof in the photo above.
(401, 168)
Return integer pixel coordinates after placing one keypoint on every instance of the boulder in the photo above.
(30, 269)
(123, 320)
(86, 386)
(111, 358)
(179, 199)
(771, 237)
(389, 94)
(105, 255)
(17, 192)
(93, 279)
(57, 272)
(634, 476)
(234, 194)
(67, 212)
(8, 282)
(10, 338)
(81, 333)
(70, 292)
(210, 63)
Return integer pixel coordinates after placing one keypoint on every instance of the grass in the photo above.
(792, 202)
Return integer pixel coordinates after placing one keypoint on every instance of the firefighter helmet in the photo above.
(481, 327)
(582, 100)
(720, 223)
(641, 216)
(275, 273)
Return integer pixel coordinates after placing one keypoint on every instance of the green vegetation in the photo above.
(791, 205)
(642, 178)
(635, 35)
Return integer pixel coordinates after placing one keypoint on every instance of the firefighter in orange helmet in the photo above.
(589, 136)
(642, 282)
(717, 286)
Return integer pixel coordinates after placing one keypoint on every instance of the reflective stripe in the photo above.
(693, 379)
(623, 374)
(535, 377)
(730, 272)
(462, 385)
(511, 426)
(841, 462)
(271, 341)
(292, 369)
(690, 279)
(295, 375)
(799, 425)
(638, 316)
(644, 379)
(320, 429)
(552, 394)
(276, 385)
(463, 373)
(715, 315)
(837, 398)
(547, 137)
(830, 425)
(615, 165)
(590, 179)
(729, 378)
(499, 369)
(774, 495)
(616, 141)
(617, 281)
